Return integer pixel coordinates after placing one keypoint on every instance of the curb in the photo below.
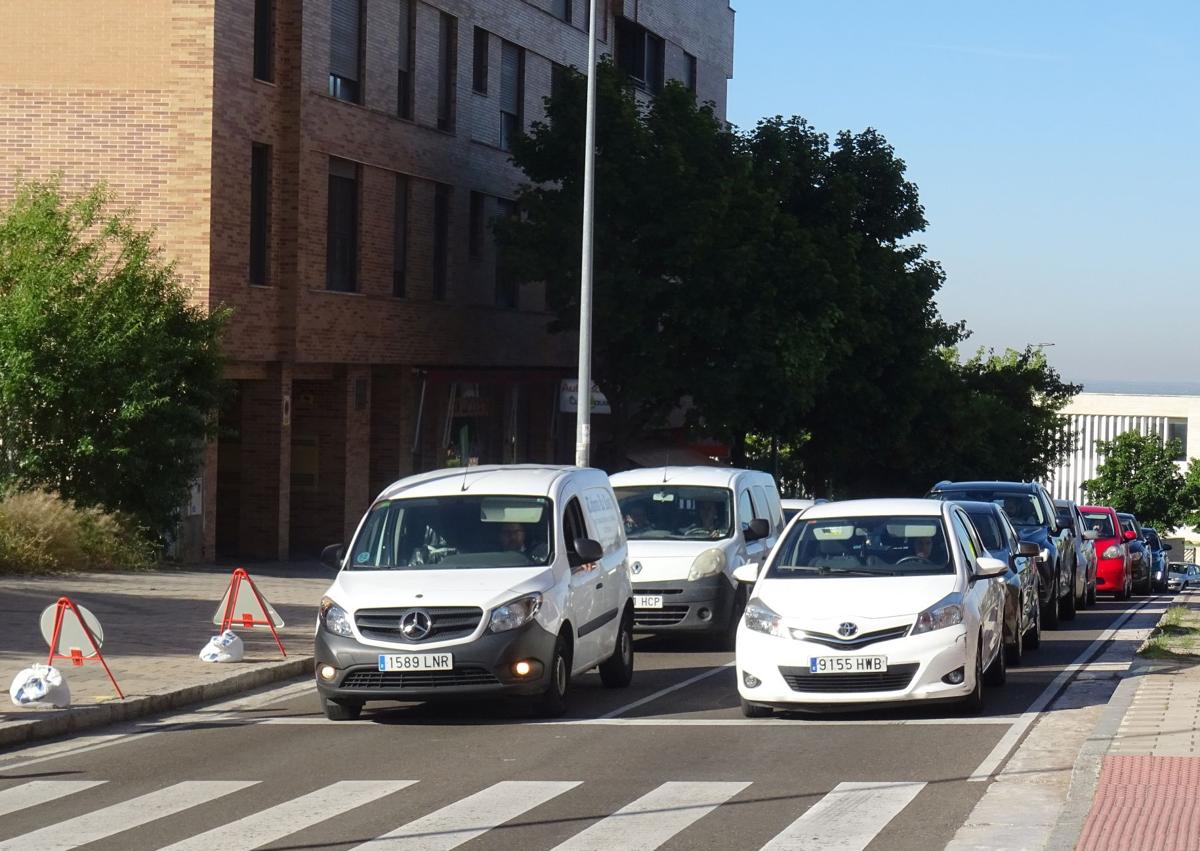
(79, 718)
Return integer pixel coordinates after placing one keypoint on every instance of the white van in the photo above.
(478, 581)
(689, 528)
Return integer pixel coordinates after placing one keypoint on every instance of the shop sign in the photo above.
(568, 398)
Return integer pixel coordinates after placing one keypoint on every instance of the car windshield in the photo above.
(455, 532)
(1023, 509)
(675, 512)
(863, 546)
(1101, 522)
(989, 529)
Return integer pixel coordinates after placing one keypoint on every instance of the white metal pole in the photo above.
(583, 416)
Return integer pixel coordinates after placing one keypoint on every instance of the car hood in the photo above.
(838, 598)
(661, 561)
(486, 588)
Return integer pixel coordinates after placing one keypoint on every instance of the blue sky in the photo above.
(1056, 146)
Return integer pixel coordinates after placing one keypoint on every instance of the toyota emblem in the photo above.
(847, 629)
(416, 624)
(637, 567)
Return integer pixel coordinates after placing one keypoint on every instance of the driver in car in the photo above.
(708, 524)
(513, 539)
(922, 548)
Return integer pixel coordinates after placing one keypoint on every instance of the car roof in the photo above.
(1020, 487)
(1097, 508)
(976, 507)
(532, 479)
(876, 507)
(1064, 503)
(721, 477)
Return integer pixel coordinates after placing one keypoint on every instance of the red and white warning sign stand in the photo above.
(244, 605)
(66, 625)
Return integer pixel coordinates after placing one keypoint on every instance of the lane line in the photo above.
(847, 819)
(291, 816)
(1009, 741)
(126, 815)
(662, 692)
(470, 817)
(652, 819)
(39, 792)
(782, 723)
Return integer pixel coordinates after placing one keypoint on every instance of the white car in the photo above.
(796, 505)
(478, 582)
(872, 600)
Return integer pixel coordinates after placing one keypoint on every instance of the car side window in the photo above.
(966, 545)
(1010, 533)
(574, 528)
(745, 509)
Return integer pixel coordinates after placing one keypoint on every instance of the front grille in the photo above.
(856, 641)
(666, 616)
(448, 622)
(368, 679)
(895, 678)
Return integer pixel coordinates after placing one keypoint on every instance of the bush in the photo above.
(42, 533)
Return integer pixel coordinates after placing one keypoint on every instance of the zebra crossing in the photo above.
(847, 818)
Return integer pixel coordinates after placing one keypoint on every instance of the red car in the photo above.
(1114, 573)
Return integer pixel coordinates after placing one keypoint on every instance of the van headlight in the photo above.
(515, 614)
(945, 612)
(762, 618)
(334, 618)
(708, 563)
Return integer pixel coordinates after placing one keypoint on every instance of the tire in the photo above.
(617, 670)
(338, 710)
(997, 672)
(1143, 587)
(1050, 610)
(1068, 605)
(553, 701)
(1090, 594)
(1016, 650)
(972, 704)
(1034, 639)
(756, 710)
(1123, 594)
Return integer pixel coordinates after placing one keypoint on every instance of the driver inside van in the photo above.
(513, 538)
(709, 522)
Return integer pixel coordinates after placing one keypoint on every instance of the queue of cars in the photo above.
(512, 580)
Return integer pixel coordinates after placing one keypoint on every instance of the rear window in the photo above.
(1023, 509)
(1101, 522)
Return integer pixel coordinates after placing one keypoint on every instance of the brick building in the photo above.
(327, 169)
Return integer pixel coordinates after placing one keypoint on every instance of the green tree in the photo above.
(1189, 495)
(1139, 475)
(108, 376)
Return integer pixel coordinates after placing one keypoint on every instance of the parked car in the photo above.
(1067, 513)
(1139, 553)
(794, 506)
(1182, 576)
(689, 528)
(480, 581)
(1022, 609)
(1158, 558)
(1114, 567)
(1031, 511)
(872, 600)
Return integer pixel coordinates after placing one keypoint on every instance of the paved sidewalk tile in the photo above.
(1144, 802)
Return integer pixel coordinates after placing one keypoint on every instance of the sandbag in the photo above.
(40, 685)
(226, 647)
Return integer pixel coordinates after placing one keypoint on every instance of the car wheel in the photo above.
(341, 710)
(997, 672)
(756, 710)
(617, 670)
(1091, 594)
(972, 704)
(1016, 650)
(1050, 610)
(1123, 594)
(553, 701)
(1067, 604)
(1035, 631)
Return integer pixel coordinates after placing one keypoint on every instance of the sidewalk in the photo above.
(155, 624)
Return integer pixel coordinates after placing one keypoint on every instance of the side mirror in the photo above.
(747, 573)
(588, 551)
(758, 529)
(1028, 549)
(1090, 535)
(988, 566)
(1167, 547)
(1129, 535)
(332, 556)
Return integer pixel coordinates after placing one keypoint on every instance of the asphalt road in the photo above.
(667, 763)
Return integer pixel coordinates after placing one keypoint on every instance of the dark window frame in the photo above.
(400, 236)
(475, 225)
(441, 240)
(264, 40)
(506, 287)
(405, 78)
(512, 124)
(343, 276)
(259, 270)
(345, 86)
(641, 54)
(447, 73)
(479, 61)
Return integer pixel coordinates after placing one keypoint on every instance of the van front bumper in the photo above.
(482, 668)
(701, 605)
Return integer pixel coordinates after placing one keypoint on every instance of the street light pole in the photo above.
(583, 410)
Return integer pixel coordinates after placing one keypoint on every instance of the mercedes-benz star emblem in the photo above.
(416, 624)
(637, 567)
(847, 629)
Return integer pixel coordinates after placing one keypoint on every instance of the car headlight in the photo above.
(945, 612)
(334, 618)
(1112, 552)
(515, 614)
(1136, 556)
(762, 618)
(708, 563)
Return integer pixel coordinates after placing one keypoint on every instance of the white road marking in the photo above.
(847, 819)
(667, 721)
(662, 692)
(291, 816)
(470, 817)
(652, 819)
(126, 815)
(1017, 731)
(38, 792)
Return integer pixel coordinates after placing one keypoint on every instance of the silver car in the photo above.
(1182, 576)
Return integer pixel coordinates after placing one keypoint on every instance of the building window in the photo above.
(561, 9)
(260, 213)
(691, 72)
(1177, 430)
(479, 72)
(341, 253)
(400, 239)
(512, 92)
(447, 71)
(475, 235)
(408, 29)
(264, 40)
(345, 49)
(506, 283)
(441, 240)
(640, 54)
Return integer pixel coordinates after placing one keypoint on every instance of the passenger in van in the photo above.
(636, 520)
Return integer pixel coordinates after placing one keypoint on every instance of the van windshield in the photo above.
(455, 532)
(676, 512)
(863, 546)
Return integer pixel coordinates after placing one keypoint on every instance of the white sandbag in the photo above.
(226, 647)
(40, 685)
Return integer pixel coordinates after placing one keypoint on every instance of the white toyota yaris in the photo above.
(872, 600)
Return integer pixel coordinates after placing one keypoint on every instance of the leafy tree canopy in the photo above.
(1139, 475)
